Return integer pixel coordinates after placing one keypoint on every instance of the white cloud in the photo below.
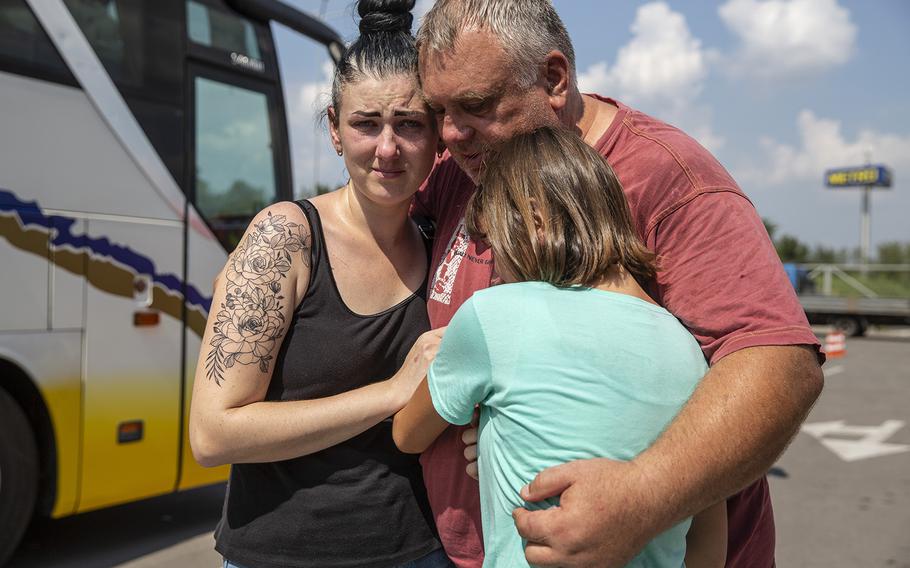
(596, 79)
(823, 146)
(662, 62)
(786, 182)
(312, 98)
(314, 159)
(785, 38)
(661, 70)
(705, 135)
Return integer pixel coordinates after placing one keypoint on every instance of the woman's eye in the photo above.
(411, 124)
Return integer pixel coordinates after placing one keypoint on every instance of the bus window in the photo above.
(213, 28)
(101, 23)
(235, 163)
(134, 41)
(25, 47)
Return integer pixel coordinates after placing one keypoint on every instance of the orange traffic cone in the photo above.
(835, 345)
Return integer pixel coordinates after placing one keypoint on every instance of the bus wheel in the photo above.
(18, 475)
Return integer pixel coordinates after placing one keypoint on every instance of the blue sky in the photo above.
(779, 90)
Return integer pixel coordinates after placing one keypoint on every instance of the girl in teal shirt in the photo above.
(570, 359)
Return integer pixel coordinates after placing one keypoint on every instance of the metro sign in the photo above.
(868, 176)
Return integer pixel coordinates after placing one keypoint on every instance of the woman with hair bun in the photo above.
(318, 335)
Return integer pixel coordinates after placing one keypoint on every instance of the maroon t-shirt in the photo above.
(720, 275)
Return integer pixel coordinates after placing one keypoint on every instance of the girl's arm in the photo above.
(417, 425)
(254, 301)
(706, 541)
(461, 376)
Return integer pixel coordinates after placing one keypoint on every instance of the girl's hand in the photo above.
(416, 365)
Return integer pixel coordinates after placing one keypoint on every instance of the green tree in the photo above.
(322, 189)
(828, 255)
(894, 253)
(791, 249)
(770, 226)
(240, 199)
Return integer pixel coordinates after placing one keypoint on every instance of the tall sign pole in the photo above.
(867, 177)
(865, 227)
(865, 221)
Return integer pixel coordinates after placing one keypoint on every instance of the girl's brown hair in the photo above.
(553, 211)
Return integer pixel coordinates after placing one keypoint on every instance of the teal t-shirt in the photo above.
(561, 374)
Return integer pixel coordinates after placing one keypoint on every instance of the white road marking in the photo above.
(868, 442)
(831, 371)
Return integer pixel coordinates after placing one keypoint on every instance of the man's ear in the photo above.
(557, 74)
(333, 130)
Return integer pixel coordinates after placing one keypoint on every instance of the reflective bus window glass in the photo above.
(24, 43)
(214, 28)
(101, 23)
(135, 42)
(235, 167)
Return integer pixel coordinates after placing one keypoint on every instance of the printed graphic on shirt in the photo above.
(444, 279)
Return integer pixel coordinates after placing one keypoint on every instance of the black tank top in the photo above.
(362, 502)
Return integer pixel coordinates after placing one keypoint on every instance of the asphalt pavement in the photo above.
(173, 531)
(841, 491)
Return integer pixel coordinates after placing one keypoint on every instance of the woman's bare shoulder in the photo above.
(275, 245)
(286, 214)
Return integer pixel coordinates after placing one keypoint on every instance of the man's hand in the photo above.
(469, 437)
(602, 519)
(738, 421)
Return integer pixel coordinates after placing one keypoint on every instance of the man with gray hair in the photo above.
(493, 68)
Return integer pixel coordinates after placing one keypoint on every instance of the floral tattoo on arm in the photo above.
(250, 321)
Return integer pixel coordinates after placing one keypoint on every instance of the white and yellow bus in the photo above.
(137, 139)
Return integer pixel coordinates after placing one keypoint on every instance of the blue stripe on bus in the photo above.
(61, 227)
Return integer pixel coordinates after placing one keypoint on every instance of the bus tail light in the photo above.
(129, 431)
(144, 319)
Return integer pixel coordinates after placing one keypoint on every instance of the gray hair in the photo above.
(527, 29)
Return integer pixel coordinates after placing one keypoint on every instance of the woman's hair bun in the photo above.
(389, 16)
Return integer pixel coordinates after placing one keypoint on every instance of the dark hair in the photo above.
(553, 210)
(385, 46)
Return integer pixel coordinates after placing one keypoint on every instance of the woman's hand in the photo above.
(417, 423)
(416, 365)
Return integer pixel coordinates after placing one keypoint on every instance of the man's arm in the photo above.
(739, 420)
(721, 276)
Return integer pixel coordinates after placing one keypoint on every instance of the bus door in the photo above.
(131, 404)
(238, 160)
